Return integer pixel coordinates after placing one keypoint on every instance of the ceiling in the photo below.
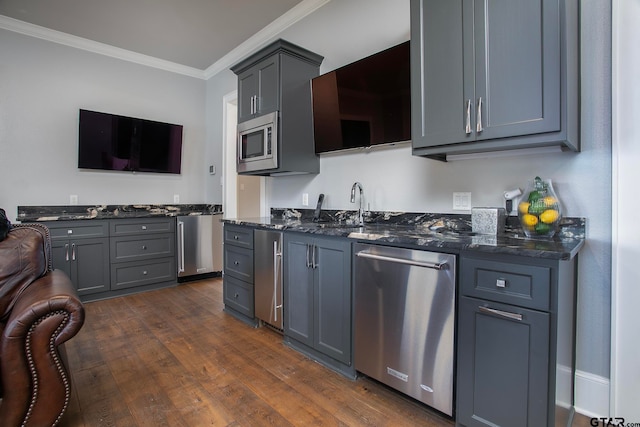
(191, 33)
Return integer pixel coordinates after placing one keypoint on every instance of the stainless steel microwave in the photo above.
(258, 143)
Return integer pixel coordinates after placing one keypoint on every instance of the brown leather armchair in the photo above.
(39, 311)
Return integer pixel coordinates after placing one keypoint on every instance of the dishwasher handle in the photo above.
(432, 265)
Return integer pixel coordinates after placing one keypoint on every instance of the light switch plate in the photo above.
(462, 201)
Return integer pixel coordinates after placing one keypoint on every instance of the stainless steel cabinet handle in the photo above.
(479, 117)
(73, 252)
(181, 251)
(432, 265)
(276, 266)
(314, 264)
(308, 257)
(505, 314)
(467, 127)
(66, 252)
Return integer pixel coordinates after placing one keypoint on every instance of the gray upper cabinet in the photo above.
(278, 79)
(493, 75)
(258, 89)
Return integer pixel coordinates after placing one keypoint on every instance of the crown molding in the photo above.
(302, 9)
(59, 37)
(262, 37)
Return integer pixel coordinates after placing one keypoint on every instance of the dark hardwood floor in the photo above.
(174, 358)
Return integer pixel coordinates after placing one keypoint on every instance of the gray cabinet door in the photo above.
(442, 72)
(503, 361)
(517, 67)
(298, 288)
(484, 69)
(332, 295)
(86, 262)
(258, 89)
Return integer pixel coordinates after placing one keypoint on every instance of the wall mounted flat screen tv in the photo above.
(111, 142)
(365, 103)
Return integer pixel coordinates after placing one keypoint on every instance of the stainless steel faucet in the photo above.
(353, 200)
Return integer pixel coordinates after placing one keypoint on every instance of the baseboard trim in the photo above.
(592, 394)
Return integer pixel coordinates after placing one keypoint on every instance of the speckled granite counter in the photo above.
(74, 212)
(440, 232)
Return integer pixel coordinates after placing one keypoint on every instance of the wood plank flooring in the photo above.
(173, 358)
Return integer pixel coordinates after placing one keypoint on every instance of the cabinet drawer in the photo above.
(238, 262)
(238, 236)
(510, 283)
(134, 248)
(78, 229)
(139, 273)
(239, 295)
(125, 227)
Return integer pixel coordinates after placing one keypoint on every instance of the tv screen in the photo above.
(111, 142)
(365, 103)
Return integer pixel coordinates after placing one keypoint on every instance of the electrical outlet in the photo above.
(73, 199)
(305, 199)
(176, 198)
(462, 201)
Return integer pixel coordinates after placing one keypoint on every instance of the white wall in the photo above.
(625, 368)
(394, 180)
(42, 87)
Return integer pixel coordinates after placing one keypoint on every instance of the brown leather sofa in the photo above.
(39, 311)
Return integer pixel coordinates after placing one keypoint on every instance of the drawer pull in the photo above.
(69, 231)
(501, 283)
(144, 227)
(144, 247)
(236, 295)
(505, 314)
(144, 272)
(236, 263)
(235, 237)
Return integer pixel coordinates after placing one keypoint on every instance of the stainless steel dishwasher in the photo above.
(404, 321)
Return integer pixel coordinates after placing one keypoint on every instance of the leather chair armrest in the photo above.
(45, 315)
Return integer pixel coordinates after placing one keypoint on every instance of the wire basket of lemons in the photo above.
(539, 210)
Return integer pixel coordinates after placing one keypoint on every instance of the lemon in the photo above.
(529, 220)
(523, 207)
(549, 216)
(550, 201)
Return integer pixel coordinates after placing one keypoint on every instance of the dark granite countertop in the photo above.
(79, 212)
(439, 232)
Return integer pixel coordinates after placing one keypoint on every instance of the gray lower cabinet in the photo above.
(142, 252)
(81, 250)
(317, 298)
(107, 258)
(515, 352)
(238, 283)
(493, 75)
